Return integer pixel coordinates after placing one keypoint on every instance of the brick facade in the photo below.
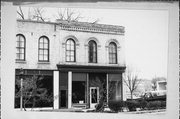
(73, 82)
(58, 36)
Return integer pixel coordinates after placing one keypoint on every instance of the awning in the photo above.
(91, 68)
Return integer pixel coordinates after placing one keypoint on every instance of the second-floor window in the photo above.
(92, 47)
(20, 47)
(70, 50)
(112, 53)
(43, 55)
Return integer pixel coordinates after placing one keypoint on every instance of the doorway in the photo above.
(94, 96)
(63, 103)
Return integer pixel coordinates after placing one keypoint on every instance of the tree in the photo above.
(71, 15)
(38, 14)
(102, 84)
(32, 91)
(68, 15)
(33, 14)
(131, 81)
(154, 82)
(20, 13)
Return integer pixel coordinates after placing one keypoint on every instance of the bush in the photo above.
(143, 104)
(132, 105)
(154, 105)
(99, 107)
(163, 104)
(116, 105)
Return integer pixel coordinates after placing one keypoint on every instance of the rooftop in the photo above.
(84, 26)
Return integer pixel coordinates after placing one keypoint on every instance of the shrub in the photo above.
(154, 105)
(163, 104)
(143, 104)
(116, 105)
(100, 106)
(132, 105)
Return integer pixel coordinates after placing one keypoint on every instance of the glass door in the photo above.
(94, 96)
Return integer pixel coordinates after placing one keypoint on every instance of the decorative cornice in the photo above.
(90, 27)
(91, 30)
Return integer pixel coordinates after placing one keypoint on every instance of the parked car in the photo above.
(155, 95)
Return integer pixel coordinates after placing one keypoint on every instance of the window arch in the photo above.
(20, 47)
(92, 51)
(70, 50)
(112, 53)
(43, 54)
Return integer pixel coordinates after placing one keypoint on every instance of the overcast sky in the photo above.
(146, 36)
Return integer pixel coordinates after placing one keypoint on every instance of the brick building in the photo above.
(80, 62)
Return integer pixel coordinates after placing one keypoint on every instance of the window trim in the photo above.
(43, 49)
(74, 50)
(24, 48)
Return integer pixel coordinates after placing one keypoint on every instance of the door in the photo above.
(94, 96)
(63, 103)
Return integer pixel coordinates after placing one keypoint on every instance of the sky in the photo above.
(146, 36)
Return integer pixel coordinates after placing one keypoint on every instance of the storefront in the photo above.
(83, 86)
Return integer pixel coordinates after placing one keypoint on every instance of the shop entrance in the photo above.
(94, 96)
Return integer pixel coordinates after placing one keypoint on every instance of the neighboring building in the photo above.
(77, 60)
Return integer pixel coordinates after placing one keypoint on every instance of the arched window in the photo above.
(112, 53)
(92, 48)
(43, 55)
(70, 50)
(20, 47)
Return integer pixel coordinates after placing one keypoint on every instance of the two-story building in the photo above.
(80, 62)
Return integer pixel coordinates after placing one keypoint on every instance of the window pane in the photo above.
(68, 47)
(72, 46)
(72, 53)
(21, 44)
(68, 58)
(41, 45)
(17, 50)
(45, 57)
(45, 40)
(68, 42)
(72, 58)
(68, 53)
(17, 56)
(45, 52)
(21, 39)
(41, 40)
(17, 44)
(40, 57)
(21, 51)
(41, 52)
(46, 46)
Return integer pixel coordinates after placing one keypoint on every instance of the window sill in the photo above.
(21, 61)
(43, 62)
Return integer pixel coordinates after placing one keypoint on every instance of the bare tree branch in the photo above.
(20, 12)
(38, 14)
(68, 15)
(131, 80)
